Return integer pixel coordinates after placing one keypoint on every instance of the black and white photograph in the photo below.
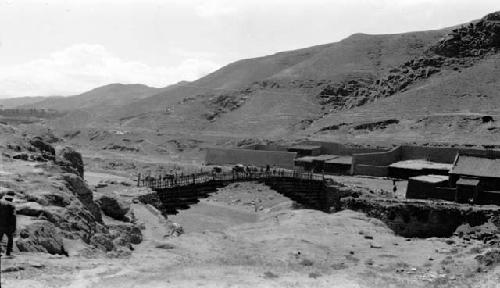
(249, 143)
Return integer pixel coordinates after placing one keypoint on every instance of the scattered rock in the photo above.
(339, 266)
(314, 275)
(126, 234)
(490, 259)
(13, 268)
(270, 275)
(175, 229)
(101, 185)
(165, 246)
(102, 241)
(306, 262)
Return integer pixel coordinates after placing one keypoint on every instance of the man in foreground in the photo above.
(7, 221)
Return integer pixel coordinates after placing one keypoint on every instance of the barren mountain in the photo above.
(98, 98)
(8, 103)
(424, 86)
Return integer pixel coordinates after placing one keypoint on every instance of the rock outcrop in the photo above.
(84, 194)
(420, 218)
(55, 204)
(71, 160)
(113, 207)
(460, 49)
(41, 236)
(473, 39)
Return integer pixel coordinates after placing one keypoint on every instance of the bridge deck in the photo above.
(163, 182)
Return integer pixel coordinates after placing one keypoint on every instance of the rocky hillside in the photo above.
(449, 93)
(57, 210)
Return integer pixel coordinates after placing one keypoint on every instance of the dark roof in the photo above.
(476, 166)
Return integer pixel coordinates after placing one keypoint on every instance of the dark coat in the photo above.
(7, 216)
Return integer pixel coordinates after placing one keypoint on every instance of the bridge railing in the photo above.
(170, 181)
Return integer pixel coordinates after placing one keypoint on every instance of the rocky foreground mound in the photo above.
(57, 212)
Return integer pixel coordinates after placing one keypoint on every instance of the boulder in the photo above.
(30, 209)
(41, 236)
(126, 234)
(102, 241)
(113, 207)
(71, 160)
(174, 230)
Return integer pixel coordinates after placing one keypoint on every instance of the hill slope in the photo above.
(425, 86)
(98, 98)
(270, 96)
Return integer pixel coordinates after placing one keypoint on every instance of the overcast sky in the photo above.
(63, 47)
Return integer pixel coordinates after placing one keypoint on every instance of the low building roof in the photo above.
(476, 166)
(420, 164)
(310, 159)
(430, 178)
(304, 147)
(340, 160)
(468, 182)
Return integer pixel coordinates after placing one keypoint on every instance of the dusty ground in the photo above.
(228, 244)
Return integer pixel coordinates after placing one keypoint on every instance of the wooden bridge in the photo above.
(181, 191)
(166, 181)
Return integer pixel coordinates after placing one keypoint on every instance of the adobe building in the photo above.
(416, 167)
(305, 150)
(477, 178)
(328, 164)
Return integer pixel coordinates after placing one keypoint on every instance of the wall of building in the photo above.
(340, 149)
(434, 154)
(442, 155)
(375, 164)
(269, 147)
(371, 170)
(378, 158)
(222, 156)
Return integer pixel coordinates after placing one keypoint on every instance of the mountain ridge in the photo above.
(303, 92)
